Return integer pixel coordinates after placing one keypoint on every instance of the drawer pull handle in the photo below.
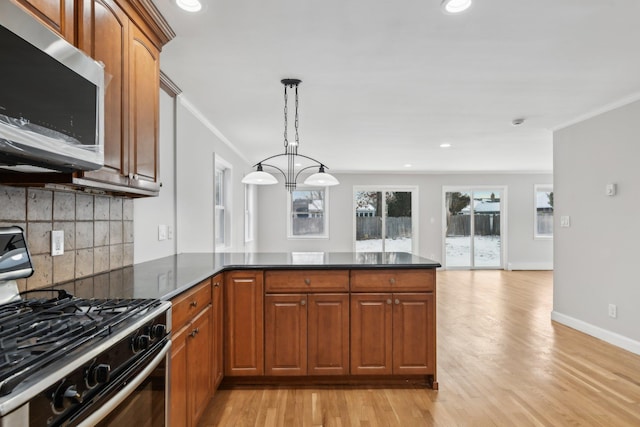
(392, 281)
(194, 332)
(194, 303)
(307, 281)
(388, 301)
(397, 301)
(303, 302)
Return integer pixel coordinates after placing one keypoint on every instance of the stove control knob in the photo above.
(141, 342)
(63, 398)
(98, 374)
(158, 331)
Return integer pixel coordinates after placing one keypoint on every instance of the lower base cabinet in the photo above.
(191, 372)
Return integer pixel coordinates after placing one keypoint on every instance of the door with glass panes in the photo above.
(385, 220)
(473, 227)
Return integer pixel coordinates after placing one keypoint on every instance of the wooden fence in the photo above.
(370, 227)
(484, 225)
(306, 226)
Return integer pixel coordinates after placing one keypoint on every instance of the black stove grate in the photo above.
(36, 332)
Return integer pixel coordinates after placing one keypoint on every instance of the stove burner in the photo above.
(36, 332)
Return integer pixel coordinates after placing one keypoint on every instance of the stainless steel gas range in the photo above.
(67, 361)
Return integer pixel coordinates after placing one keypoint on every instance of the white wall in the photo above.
(198, 142)
(596, 257)
(149, 212)
(522, 250)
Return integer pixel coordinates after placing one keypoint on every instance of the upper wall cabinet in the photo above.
(117, 34)
(126, 36)
(55, 14)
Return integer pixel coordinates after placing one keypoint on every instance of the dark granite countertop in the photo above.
(167, 277)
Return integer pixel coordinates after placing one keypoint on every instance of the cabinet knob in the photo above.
(389, 301)
(216, 284)
(303, 302)
(194, 332)
(135, 176)
(397, 301)
(392, 281)
(194, 303)
(307, 281)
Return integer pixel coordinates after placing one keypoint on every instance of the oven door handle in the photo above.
(113, 403)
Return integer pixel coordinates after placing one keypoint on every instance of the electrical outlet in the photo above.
(613, 311)
(57, 242)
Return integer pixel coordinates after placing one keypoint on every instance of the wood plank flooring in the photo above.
(501, 362)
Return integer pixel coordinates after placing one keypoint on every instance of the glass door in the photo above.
(384, 221)
(473, 232)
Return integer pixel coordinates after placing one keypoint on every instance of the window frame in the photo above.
(325, 214)
(224, 168)
(541, 188)
(249, 212)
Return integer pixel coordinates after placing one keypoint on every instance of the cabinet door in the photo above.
(199, 364)
(328, 334)
(413, 334)
(178, 380)
(55, 14)
(218, 331)
(144, 92)
(244, 331)
(285, 318)
(104, 35)
(371, 334)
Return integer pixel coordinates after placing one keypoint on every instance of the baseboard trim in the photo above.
(530, 266)
(595, 331)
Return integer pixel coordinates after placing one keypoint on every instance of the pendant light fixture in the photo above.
(320, 178)
(453, 7)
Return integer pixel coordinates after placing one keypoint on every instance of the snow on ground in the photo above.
(486, 248)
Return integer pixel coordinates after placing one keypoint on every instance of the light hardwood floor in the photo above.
(501, 362)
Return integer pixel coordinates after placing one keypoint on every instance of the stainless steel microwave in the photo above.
(51, 99)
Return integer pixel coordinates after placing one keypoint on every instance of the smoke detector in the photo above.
(518, 121)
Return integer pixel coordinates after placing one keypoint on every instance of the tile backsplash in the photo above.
(98, 231)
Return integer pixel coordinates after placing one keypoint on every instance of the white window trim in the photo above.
(415, 214)
(249, 212)
(539, 188)
(221, 164)
(325, 235)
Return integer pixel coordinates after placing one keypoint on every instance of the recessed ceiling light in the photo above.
(455, 6)
(445, 145)
(189, 5)
(407, 165)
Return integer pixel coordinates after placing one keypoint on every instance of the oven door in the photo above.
(138, 397)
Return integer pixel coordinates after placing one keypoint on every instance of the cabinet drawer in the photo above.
(306, 281)
(190, 303)
(383, 280)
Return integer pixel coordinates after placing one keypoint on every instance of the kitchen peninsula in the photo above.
(289, 318)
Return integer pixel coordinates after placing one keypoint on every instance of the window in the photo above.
(307, 208)
(222, 226)
(249, 200)
(543, 211)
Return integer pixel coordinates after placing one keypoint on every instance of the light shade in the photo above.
(259, 177)
(189, 5)
(321, 179)
(455, 6)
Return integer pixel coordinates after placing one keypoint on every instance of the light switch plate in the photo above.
(610, 190)
(565, 221)
(57, 242)
(162, 232)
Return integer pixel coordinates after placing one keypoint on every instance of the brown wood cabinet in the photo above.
(58, 15)
(218, 329)
(244, 327)
(306, 333)
(111, 33)
(191, 354)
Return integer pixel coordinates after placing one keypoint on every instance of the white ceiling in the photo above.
(385, 82)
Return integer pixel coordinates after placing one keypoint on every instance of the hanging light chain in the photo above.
(296, 122)
(286, 113)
